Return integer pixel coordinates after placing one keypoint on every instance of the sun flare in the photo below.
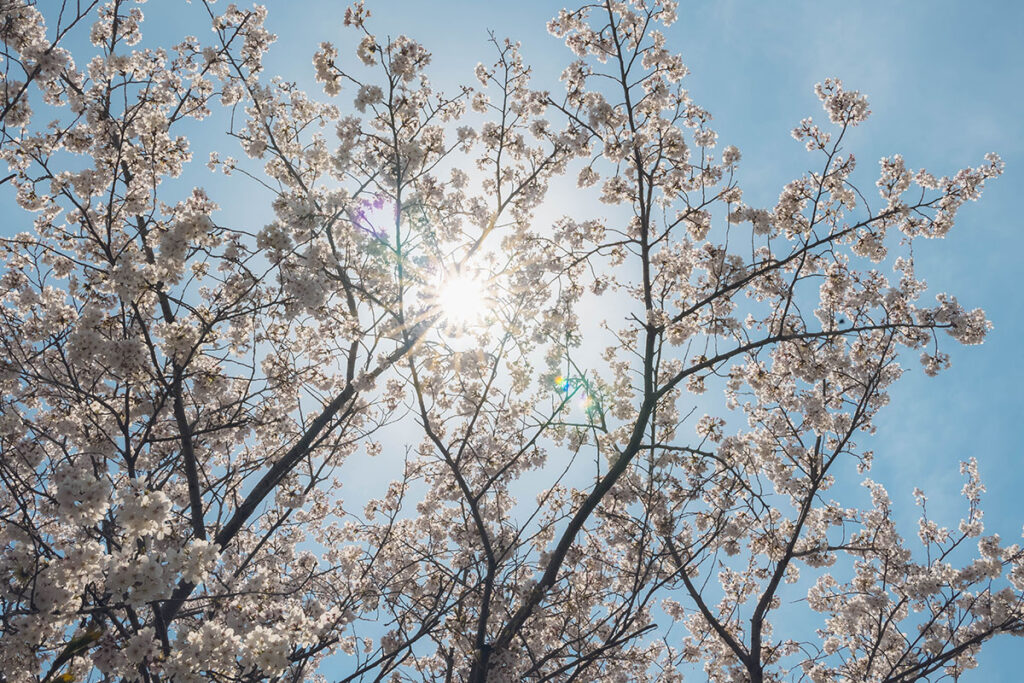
(462, 299)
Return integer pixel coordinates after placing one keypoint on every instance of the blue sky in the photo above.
(944, 80)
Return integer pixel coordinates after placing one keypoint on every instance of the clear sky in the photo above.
(944, 80)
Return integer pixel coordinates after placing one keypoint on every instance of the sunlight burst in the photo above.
(462, 299)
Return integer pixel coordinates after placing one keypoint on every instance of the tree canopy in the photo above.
(187, 402)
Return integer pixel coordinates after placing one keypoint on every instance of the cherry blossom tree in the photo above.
(184, 399)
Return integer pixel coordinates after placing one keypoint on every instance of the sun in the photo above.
(462, 298)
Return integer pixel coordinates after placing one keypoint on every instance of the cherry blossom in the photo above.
(196, 416)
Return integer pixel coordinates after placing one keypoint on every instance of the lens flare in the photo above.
(462, 299)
